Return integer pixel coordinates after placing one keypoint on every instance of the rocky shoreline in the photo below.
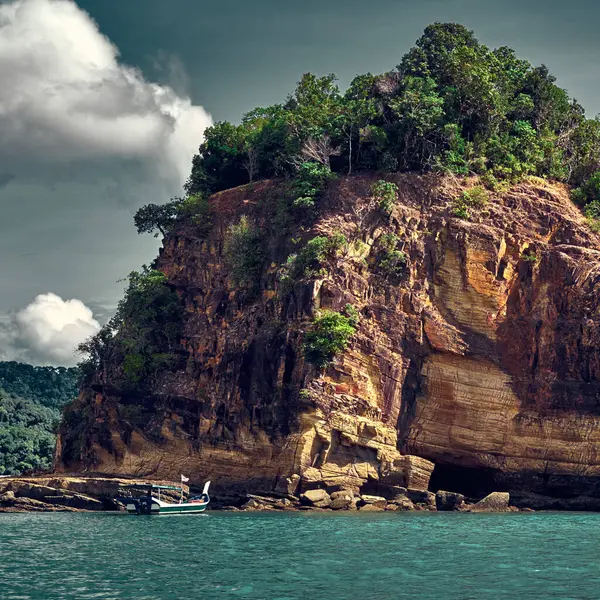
(55, 493)
(405, 500)
(52, 493)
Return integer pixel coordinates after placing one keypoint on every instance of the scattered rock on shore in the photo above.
(318, 498)
(371, 508)
(449, 500)
(288, 485)
(402, 503)
(342, 500)
(377, 501)
(494, 502)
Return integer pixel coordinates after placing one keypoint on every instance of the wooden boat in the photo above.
(152, 504)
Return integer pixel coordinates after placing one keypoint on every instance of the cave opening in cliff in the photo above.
(501, 269)
(470, 481)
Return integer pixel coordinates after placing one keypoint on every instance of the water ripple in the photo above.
(293, 556)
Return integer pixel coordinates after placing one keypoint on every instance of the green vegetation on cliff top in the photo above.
(452, 104)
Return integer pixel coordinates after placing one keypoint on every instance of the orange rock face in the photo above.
(482, 359)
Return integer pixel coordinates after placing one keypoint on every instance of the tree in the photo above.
(273, 139)
(452, 104)
(359, 110)
(219, 162)
(319, 150)
(141, 339)
(157, 218)
(314, 115)
(419, 111)
(30, 403)
(251, 161)
(49, 386)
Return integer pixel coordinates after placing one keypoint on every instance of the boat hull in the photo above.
(163, 508)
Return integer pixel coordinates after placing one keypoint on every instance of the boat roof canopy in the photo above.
(155, 487)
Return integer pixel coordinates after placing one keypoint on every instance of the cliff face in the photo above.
(477, 359)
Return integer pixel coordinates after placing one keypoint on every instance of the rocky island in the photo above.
(367, 299)
(461, 375)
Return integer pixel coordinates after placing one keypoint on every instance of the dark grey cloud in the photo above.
(5, 179)
(241, 54)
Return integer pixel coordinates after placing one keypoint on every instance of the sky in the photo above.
(103, 104)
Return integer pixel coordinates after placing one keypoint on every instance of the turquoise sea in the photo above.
(294, 556)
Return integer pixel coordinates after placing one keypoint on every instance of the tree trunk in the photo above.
(350, 152)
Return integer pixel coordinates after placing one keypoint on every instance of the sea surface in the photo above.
(293, 556)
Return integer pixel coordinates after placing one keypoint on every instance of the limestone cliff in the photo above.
(482, 358)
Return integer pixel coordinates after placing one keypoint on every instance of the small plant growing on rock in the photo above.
(588, 196)
(197, 209)
(386, 195)
(244, 253)
(475, 197)
(329, 335)
(360, 247)
(310, 181)
(133, 366)
(594, 225)
(388, 242)
(491, 182)
(310, 260)
(391, 261)
(529, 256)
(352, 314)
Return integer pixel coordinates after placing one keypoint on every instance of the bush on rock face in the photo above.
(244, 253)
(329, 336)
(470, 199)
(313, 257)
(391, 261)
(386, 195)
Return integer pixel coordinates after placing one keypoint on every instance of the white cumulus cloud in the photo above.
(84, 140)
(66, 98)
(47, 331)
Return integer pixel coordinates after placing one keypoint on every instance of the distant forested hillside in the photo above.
(30, 403)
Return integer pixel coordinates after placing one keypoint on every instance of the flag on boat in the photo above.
(184, 479)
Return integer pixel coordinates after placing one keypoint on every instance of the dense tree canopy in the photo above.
(452, 104)
(49, 386)
(30, 403)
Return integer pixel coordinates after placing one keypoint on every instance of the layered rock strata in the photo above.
(482, 359)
